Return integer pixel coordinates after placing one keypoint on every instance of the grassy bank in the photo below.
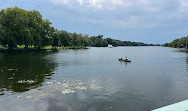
(31, 48)
(180, 49)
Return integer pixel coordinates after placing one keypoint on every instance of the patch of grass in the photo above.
(2, 47)
(47, 47)
(23, 46)
(50, 47)
(71, 47)
(67, 47)
(31, 48)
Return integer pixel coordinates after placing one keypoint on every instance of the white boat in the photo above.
(110, 46)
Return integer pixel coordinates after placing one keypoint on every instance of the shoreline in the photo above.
(32, 49)
(181, 49)
(47, 48)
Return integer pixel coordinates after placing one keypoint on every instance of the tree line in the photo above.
(178, 43)
(29, 28)
(65, 38)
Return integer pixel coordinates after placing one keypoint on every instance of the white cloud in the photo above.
(131, 22)
(184, 3)
(96, 4)
(126, 13)
(60, 1)
(147, 5)
(182, 11)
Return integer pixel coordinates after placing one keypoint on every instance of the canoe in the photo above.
(124, 60)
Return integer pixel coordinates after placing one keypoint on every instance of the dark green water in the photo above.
(93, 79)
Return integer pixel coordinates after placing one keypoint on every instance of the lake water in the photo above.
(93, 79)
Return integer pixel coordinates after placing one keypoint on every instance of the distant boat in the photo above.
(110, 46)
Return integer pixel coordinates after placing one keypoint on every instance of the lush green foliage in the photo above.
(177, 43)
(74, 39)
(22, 28)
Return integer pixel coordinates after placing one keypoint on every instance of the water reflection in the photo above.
(22, 72)
(94, 80)
(124, 63)
(72, 95)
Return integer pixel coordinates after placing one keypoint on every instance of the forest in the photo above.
(19, 27)
(178, 43)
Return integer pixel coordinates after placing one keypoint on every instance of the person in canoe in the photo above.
(126, 58)
(121, 58)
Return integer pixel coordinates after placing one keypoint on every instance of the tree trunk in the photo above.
(26, 46)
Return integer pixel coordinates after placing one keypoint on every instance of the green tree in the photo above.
(110, 41)
(75, 40)
(85, 40)
(21, 27)
(98, 41)
(65, 37)
(55, 41)
(177, 43)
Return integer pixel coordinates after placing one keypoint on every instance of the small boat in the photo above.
(110, 46)
(124, 60)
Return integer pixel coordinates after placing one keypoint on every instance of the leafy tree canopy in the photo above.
(21, 27)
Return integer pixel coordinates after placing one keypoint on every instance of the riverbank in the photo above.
(181, 49)
(32, 49)
(184, 50)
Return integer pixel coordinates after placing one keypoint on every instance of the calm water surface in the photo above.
(93, 79)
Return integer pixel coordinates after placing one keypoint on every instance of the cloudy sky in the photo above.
(149, 21)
